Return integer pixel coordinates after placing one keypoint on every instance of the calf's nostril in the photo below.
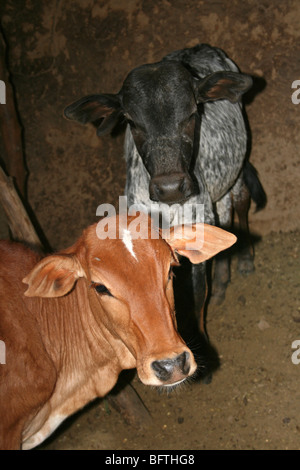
(159, 190)
(163, 369)
(182, 185)
(183, 362)
(166, 367)
(187, 187)
(155, 191)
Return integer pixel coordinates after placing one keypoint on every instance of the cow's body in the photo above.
(89, 312)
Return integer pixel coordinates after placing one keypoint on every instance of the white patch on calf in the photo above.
(48, 428)
(127, 240)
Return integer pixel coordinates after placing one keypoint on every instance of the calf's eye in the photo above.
(101, 289)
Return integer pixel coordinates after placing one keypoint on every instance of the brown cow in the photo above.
(66, 341)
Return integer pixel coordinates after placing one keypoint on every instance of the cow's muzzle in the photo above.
(172, 189)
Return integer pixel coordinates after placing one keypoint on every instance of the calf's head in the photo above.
(128, 283)
(160, 102)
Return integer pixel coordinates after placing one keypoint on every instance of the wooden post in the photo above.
(127, 402)
(19, 223)
(10, 128)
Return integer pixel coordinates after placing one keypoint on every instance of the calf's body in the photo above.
(87, 313)
(57, 355)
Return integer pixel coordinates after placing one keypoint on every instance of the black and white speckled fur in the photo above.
(222, 149)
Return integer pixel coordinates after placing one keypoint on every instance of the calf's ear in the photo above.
(223, 85)
(53, 276)
(101, 110)
(199, 242)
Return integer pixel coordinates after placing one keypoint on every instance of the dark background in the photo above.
(60, 50)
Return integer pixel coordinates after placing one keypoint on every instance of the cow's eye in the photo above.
(131, 123)
(137, 128)
(101, 289)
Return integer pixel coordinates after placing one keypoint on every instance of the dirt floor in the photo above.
(253, 401)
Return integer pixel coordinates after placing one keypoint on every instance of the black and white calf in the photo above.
(185, 142)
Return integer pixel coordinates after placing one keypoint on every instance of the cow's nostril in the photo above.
(186, 187)
(159, 190)
(163, 369)
(154, 191)
(183, 362)
(166, 367)
(182, 185)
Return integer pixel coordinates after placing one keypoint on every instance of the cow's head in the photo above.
(130, 294)
(160, 103)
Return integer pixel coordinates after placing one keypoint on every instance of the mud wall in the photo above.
(62, 50)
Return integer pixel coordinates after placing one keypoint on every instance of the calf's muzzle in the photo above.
(173, 188)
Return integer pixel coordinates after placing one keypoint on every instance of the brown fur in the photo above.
(66, 344)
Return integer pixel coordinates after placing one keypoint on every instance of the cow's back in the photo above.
(28, 376)
(16, 259)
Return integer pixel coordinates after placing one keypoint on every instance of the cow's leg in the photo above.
(206, 353)
(221, 275)
(200, 294)
(241, 203)
(208, 359)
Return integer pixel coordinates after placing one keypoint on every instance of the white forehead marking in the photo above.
(127, 240)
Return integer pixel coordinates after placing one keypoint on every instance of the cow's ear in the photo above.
(101, 110)
(53, 276)
(198, 242)
(222, 86)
